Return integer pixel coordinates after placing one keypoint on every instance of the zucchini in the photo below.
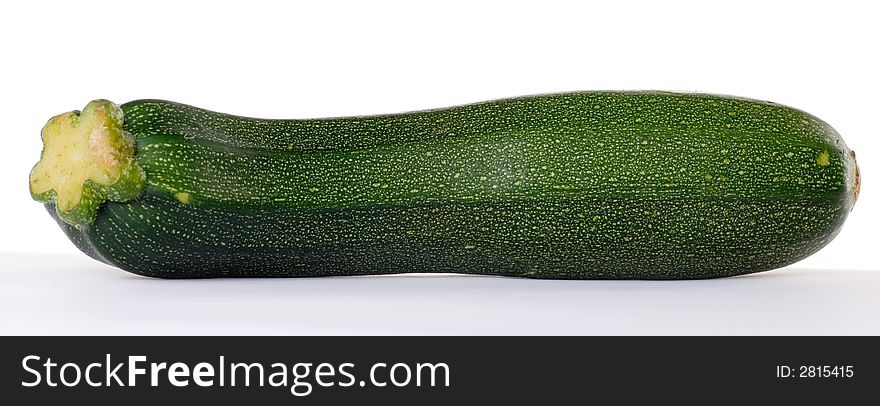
(585, 185)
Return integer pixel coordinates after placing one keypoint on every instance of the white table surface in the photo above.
(72, 294)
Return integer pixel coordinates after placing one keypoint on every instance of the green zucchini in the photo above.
(586, 185)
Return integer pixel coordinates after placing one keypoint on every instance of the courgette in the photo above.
(585, 185)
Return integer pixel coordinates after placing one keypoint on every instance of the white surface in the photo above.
(333, 58)
(71, 294)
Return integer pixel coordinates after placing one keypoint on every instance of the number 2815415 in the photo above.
(815, 371)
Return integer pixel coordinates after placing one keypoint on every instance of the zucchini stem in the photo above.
(857, 183)
(87, 159)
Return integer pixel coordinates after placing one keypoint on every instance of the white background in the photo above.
(273, 59)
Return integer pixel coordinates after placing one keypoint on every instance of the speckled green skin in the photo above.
(641, 185)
